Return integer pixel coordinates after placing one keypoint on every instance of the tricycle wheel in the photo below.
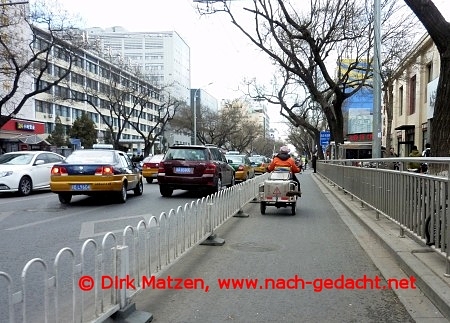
(294, 208)
(263, 207)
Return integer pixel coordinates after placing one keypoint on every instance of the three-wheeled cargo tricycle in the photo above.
(279, 190)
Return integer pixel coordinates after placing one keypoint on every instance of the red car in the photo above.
(194, 167)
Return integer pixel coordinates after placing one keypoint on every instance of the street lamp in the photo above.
(195, 112)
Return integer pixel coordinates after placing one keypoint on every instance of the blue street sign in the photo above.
(325, 138)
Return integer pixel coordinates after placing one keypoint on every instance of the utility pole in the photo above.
(376, 122)
(194, 112)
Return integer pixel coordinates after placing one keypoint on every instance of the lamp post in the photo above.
(376, 131)
(195, 112)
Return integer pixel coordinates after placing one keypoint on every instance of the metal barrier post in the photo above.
(212, 240)
(127, 311)
(447, 266)
(123, 271)
(240, 213)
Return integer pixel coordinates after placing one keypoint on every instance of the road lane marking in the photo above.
(30, 224)
(9, 200)
(88, 228)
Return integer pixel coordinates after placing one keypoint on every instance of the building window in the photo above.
(428, 78)
(400, 101)
(412, 95)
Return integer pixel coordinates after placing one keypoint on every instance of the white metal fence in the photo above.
(75, 292)
(417, 202)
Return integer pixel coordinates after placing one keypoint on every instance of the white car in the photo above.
(25, 171)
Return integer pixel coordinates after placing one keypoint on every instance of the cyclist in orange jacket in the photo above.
(284, 159)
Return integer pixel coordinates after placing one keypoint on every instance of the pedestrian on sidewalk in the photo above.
(426, 153)
(414, 166)
(392, 153)
(314, 162)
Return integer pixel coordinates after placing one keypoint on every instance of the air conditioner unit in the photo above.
(50, 116)
(67, 119)
(115, 127)
(45, 116)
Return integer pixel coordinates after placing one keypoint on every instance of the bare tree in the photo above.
(165, 112)
(229, 128)
(301, 140)
(28, 39)
(295, 105)
(305, 41)
(242, 139)
(439, 30)
(265, 146)
(124, 101)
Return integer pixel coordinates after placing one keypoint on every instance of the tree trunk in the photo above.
(389, 111)
(440, 134)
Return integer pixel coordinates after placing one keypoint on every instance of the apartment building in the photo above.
(414, 90)
(91, 73)
(201, 98)
(164, 58)
(258, 113)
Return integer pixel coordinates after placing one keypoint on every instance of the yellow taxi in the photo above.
(242, 166)
(260, 163)
(95, 171)
(150, 167)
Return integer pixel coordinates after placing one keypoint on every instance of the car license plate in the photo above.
(81, 187)
(183, 170)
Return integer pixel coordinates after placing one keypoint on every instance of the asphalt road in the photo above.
(313, 245)
(38, 226)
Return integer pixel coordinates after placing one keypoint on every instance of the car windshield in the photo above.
(15, 159)
(91, 157)
(156, 158)
(186, 154)
(256, 159)
(235, 159)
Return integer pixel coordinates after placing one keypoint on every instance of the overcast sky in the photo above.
(219, 52)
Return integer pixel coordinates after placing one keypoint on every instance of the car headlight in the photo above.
(6, 173)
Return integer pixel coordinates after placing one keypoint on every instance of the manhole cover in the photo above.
(254, 247)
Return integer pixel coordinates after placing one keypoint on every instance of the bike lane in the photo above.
(278, 267)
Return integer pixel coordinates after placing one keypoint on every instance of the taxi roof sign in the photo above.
(103, 146)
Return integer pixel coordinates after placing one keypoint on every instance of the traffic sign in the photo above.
(325, 138)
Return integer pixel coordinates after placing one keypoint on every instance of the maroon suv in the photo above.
(193, 167)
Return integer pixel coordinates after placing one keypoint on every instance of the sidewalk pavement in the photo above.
(413, 256)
